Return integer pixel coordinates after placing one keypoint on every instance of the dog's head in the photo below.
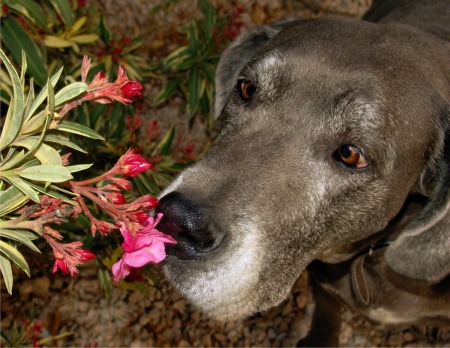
(329, 125)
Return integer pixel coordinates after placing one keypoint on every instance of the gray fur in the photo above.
(271, 185)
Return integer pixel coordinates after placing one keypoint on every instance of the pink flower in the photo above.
(132, 164)
(146, 247)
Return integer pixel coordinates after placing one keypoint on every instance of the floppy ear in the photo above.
(422, 250)
(238, 54)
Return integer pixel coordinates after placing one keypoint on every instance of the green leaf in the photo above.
(36, 123)
(62, 140)
(210, 17)
(65, 11)
(14, 118)
(166, 142)
(31, 10)
(46, 172)
(56, 42)
(72, 127)
(11, 199)
(176, 57)
(13, 160)
(85, 38)
(21, 236)
(104, 32)
(15, 256)
(79, 23)
(193, 38)
(43, 94)
(78, 167)
(168, 91)
(69, 92)
(50, 190)
(5, 267)
(23, 186)
(16, 39)
(193, 94)
(43, 152)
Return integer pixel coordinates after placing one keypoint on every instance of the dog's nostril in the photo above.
(194, 232)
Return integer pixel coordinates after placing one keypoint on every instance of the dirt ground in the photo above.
(163, 318)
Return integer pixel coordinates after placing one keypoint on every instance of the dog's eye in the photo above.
(246, 90)
(351, 156)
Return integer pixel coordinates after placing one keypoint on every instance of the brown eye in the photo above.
(246, 90)
(351, 156)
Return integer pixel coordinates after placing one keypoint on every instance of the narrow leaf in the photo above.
(43, 152)
(14, 119)
(18, 236)
(5, 267)
(50, 190)
(65, 11)
(11, 199)
(168, 91)
(24, 187)
(43, 94)
(56, 42)
(46, 173)
(77, 25)
(16, 39)
(64, 141)
(166, 142)
(76, 128)
(85, 39)
(15, 256)
(69, 92)
(78, 167)
(31, 10)
(193, 94)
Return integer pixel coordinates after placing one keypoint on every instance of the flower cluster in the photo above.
(102, 91)
(105, 191)
(110, 199)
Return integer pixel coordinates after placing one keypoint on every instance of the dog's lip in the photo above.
(184, 251)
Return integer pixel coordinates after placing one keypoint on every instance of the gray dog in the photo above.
(334, 155)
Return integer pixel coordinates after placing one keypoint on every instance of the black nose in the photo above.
(195, 233)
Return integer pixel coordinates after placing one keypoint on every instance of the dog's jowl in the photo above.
(334, 156)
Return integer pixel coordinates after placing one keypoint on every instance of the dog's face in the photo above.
(319, 150)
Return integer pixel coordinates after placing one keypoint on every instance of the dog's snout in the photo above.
(195, 233)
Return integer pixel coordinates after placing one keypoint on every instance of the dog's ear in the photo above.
(238, 54)
(422, 251)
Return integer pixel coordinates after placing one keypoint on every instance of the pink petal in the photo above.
(129, 243)
(120, 270)
(158, 251)
(139, 258)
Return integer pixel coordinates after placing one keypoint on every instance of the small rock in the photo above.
(408, 336)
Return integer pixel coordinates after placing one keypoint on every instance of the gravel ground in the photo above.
(163, 318)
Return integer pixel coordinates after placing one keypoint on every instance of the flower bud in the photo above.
(116, 198)
(132, 164)
(131, 89)
(150, 202)
(85, 255)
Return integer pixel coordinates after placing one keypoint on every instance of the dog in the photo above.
(334, 157)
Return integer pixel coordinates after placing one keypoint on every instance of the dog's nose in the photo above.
(195, 233)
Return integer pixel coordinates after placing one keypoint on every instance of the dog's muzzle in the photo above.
(196, 235)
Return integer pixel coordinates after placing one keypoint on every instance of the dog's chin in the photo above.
(222, 296)
(226, 286)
